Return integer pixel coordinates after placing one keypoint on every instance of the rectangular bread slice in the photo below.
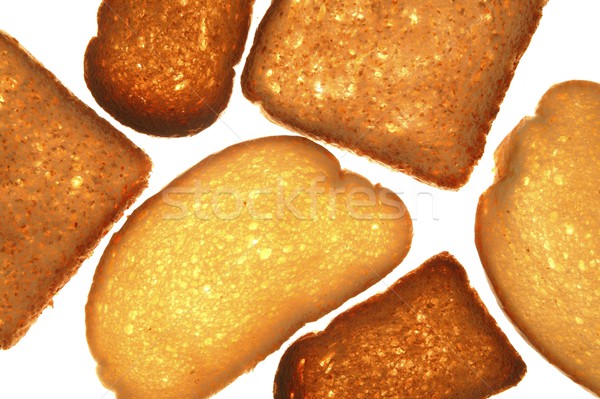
(66, 176)
(428, 336)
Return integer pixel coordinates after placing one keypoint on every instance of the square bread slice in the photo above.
(428, 336)
(413, 84)
(65, 176)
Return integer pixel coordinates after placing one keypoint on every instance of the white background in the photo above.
(53, 360)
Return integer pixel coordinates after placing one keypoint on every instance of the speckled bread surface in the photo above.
(427, 336)
(412, 84)
(166, 67)
(537, 229)
(218, 270)
(65, 176)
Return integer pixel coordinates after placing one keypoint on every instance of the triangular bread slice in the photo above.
(218, 270)
(66, 176)
(427, 336)
(537, 229)
(413, 84)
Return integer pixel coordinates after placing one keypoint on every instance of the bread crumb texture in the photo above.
(537, 229)
(213, 274)
(166, 67)
(428, 336)
(412, 84)
(65, 176)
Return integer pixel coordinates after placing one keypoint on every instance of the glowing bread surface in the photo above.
(413, 84)
(537, 229)
(217, 271)
(65, 176)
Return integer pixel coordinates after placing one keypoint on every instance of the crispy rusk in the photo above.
(413, 84)
(166, 67)
(66, 176)
(218, 270)
(428, 336)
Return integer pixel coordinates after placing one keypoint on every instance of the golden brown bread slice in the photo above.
(65, 176)
(166, 67)
(537, 229)
(413, 84)
(217, 271)
(428, 336)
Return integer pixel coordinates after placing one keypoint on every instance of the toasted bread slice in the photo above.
(428, 336)
(166, 67)
(413, 84)
(537, 229)
(217, 271)
(66, 176)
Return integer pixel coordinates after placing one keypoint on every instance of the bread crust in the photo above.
(401, 105)
(540, 142)
(165, 68)
(432, 301)
(75, 175)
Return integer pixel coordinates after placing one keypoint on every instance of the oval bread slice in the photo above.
(537, 229)
(213, 274)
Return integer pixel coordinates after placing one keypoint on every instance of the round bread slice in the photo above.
(218, 270)
(537, 229)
